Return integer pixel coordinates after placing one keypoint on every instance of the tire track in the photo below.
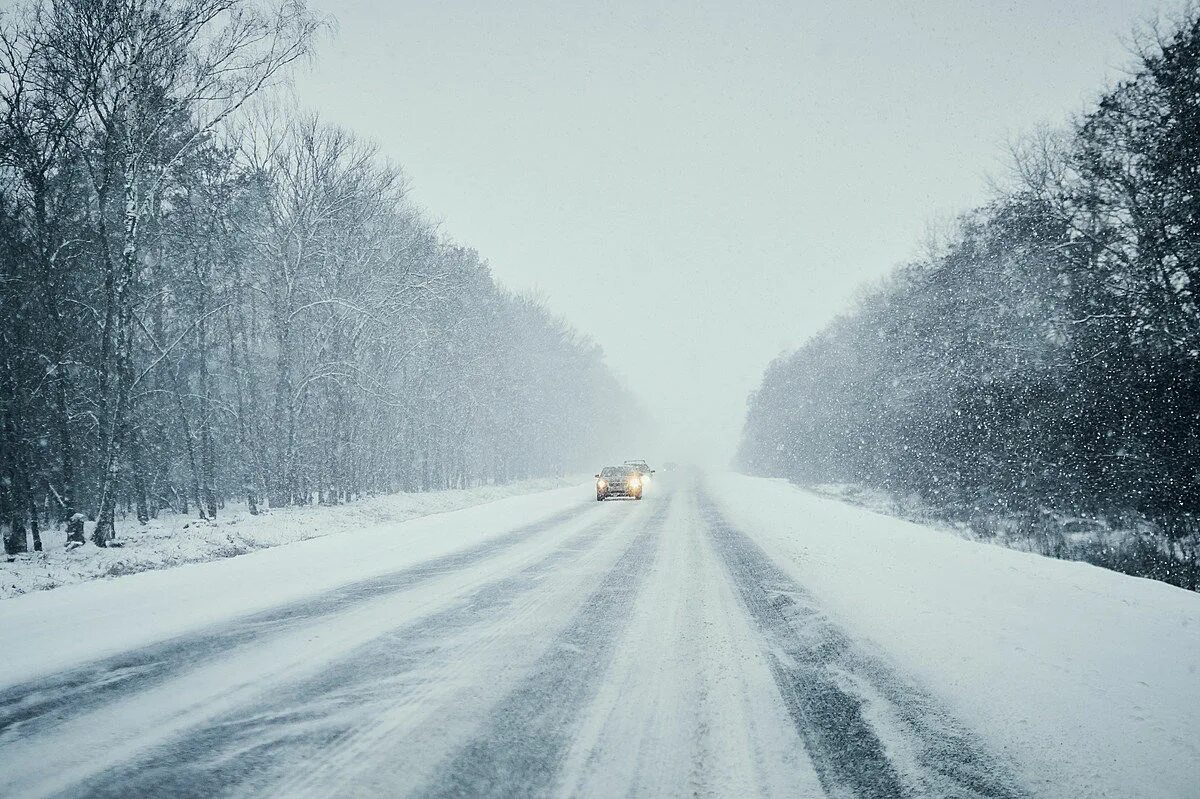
(687, 706)
(869, 732)
(31, 707)
(520, 748)
(270, 745)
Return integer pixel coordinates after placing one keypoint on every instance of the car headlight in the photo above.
(601, 484)
(634, 482)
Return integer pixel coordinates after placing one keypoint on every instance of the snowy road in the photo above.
(646, 648)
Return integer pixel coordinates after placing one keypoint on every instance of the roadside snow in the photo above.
(1128, 543)
(44, 632)
(175, 539)
(1088, 679)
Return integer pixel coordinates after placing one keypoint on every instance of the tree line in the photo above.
(208, 295)
(1045, 358)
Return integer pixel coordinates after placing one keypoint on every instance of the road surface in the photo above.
(626, 648)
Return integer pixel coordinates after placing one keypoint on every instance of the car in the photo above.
(618, 481)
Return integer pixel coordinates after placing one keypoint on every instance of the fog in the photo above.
(315, 323)
(697, 186)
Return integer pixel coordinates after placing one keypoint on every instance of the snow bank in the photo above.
(1130, 543)
(1088, 679)
(44, 632)
(174, 539)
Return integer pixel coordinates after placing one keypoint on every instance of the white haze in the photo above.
(700, 186)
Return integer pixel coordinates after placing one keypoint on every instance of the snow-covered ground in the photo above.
(726, 636)
(175, 539)
(1088, 679)
(47, 631)
(1130, 543)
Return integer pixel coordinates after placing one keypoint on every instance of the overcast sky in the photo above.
(700, 186)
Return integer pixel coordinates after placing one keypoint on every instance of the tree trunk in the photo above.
(117, 368)
(75, 529)
(248, 457)
(16, 541)
(287, 489)
(207, 448)
(189, 440)
(34, 530)
(14, 503)
(67, 500)
(137, 472)
(62, 378)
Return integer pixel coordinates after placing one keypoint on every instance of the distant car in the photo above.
(618, 481)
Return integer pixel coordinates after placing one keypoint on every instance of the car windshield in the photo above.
(617, 471)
